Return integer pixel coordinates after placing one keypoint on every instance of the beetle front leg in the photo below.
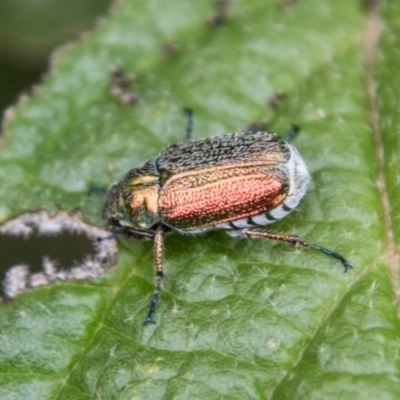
(158, 261)
(295, 240)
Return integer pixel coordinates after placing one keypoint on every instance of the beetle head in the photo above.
(132, 203)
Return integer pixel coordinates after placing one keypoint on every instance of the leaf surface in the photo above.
(237, 318)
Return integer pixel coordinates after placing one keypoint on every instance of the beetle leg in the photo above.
(158, 261)
(294, 131)
(189, 126)
(108, 237)
(96, 189)
(295, 240)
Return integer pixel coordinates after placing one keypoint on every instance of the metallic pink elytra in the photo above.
(219, 194)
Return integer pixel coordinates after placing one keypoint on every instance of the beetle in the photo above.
(239, 183)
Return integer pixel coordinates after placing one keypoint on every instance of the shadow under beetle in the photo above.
(239, 183)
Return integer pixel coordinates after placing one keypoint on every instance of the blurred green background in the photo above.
(30, 30)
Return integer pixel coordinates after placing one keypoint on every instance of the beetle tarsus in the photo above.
(294, 131)
(96, 189)
(189, 126)
(327, 252)
(154, 300)
(108, 237)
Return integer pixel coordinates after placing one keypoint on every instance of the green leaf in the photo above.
(237, 319)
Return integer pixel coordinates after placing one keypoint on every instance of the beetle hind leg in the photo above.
(295, 240)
